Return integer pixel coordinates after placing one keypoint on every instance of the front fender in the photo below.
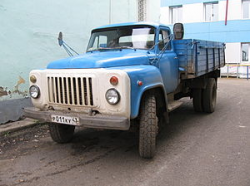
(150, 77)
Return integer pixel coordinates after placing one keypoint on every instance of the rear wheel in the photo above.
(197, 100)
(148, 127)
(61, 133)
(209, 96)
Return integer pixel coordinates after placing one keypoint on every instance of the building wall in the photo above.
(153, 13)
(194, 9)
(28, 35)
(29, 31)
(233, 34)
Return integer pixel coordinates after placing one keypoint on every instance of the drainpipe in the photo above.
(226, 13)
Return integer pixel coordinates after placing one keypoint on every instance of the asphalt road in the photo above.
(194, 149)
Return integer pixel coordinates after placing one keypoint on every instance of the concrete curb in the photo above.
(17, 125)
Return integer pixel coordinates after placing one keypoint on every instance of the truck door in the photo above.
(168, 62)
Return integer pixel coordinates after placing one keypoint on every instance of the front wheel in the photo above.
(148, 127)
(61, 133)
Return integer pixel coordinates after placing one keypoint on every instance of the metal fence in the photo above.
(236, 70)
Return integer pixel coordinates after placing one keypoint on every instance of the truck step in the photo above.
(173, 105)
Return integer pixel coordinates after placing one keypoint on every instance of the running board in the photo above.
(173, 105)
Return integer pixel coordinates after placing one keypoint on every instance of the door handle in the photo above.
(153, 60)
(176, 57)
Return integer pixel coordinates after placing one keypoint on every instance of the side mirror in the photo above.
(60, 39)
(68, 49)
(178, 31)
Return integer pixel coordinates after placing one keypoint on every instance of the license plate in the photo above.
(65, 120)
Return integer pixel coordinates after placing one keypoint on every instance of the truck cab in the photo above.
(131, 76)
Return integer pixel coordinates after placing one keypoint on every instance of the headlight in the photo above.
(112, 96)
(34, 91)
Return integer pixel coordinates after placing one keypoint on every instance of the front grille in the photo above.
(70, 90)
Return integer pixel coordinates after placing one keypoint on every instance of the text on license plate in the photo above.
(65, 120)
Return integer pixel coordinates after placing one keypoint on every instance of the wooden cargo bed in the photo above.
(198, 57)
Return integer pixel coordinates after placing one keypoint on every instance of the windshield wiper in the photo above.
(125, 47)
(100, 49)
(120, 47)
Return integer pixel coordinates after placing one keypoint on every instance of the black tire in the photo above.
(61, 133)
(209, 96)
(148, 127)
(197, 100)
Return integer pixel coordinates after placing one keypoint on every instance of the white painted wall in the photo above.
(233, 52)
(164, 15)
(234, 10)
(222, 10)
(193, 13)
(153, 7)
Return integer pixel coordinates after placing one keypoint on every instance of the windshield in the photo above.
(140, 37)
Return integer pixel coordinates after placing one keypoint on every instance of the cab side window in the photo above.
(164, 38)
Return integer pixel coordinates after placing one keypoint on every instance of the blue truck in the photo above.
(131, 76)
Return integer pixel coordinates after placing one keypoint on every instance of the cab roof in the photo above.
(152, 24)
